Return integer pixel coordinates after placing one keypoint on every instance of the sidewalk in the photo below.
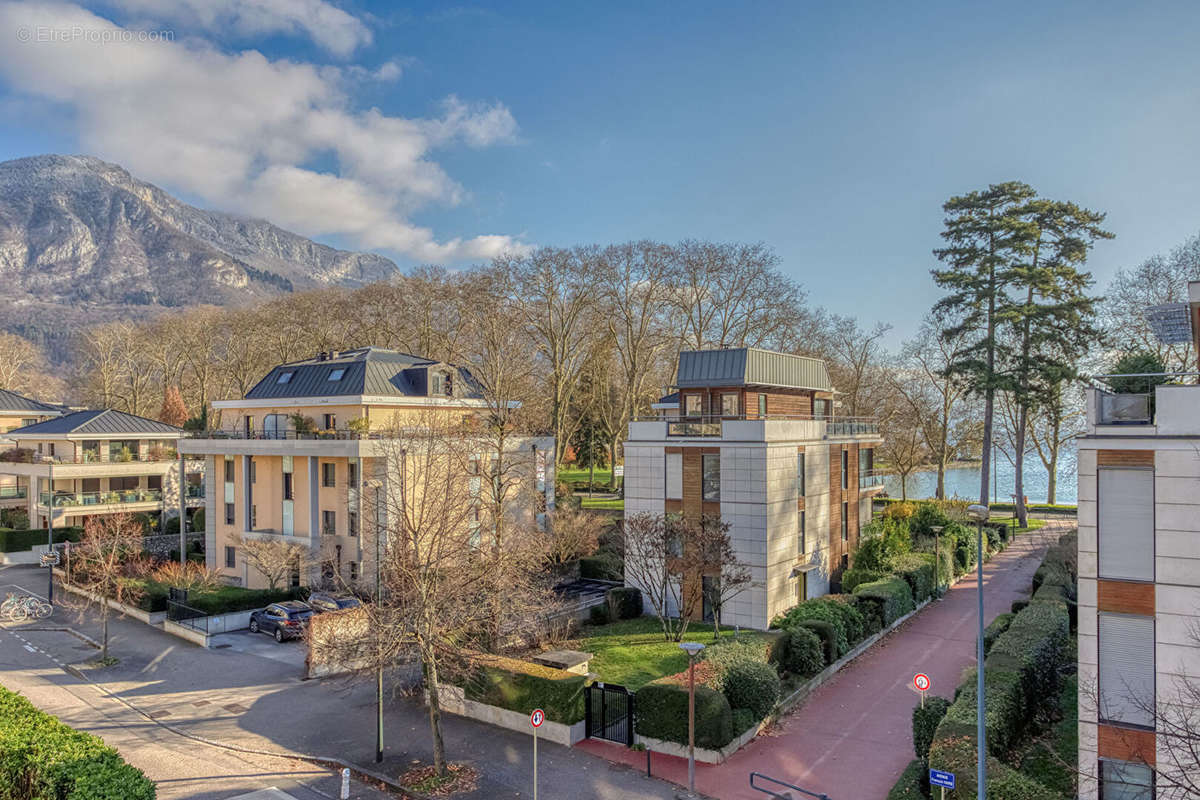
(234, 696)
(853, 736)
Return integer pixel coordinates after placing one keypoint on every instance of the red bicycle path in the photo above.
(852, 737)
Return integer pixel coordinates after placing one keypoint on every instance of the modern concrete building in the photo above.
(756, 438)
(309, 454)
(1139, 586)
(99, 462)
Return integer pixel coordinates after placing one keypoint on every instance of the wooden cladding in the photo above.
(1125, 458)
(1125, 597)
(1125, 744)
(780, 402)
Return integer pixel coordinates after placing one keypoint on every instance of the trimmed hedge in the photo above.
(994, 629)
(753, 685)
(1005, 710)
(724, 655)
(798, 651)
(852, 578)
(838, 614)
(1036, 647)
(662, 713)
(925, 720)
(957, 754)
(602, 567)
(826, 633)
(846, 606)
(888, 599)
(624, 602)
(909, 786)
(13, 541)
(917, 571)
(40, 757)
(522, 686)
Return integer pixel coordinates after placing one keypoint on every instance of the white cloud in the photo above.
(326, 24)
(242, 132)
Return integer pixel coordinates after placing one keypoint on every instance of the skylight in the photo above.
(284, 377)
(336, 374)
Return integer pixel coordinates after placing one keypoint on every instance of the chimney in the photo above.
(322, 356)
(333, 354)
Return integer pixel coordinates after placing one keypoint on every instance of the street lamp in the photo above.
(937, 560)
(377, 485)
(693, 649)
(979, 513)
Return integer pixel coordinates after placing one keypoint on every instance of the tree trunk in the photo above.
(1019, 466)
(941, 480)
(1052, 478)
(435, 712)
(103, 629)
(985, 465)
(612, 464)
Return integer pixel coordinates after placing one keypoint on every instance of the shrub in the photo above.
(662, 713)
(753, 685)
(598, 615)
(819, 609)
(723, 656)
(743, 720)
(846, 605)
(798, 651)
(917, 571)
(15, 541)
(926, 516)
(624, 602)
(826, 633)
(603, 566)
(997, 626)
(854, 577)
(1018, 605)
(891, 597)
(957, 754)
(925, 720)
(198, 520)
(522, 686)
(55, 761)
(909, 785)
(1036, 647)
(964, 557)
(901, 510)
(1005, 709)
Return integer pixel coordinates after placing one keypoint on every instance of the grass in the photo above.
(572, 474)
(633, 652)
(606, 504)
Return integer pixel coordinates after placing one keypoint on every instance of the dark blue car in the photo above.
(286, 620)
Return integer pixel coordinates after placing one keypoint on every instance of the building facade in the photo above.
(18, 411)
(755, 438)
(309, 457)
(86, 463)
(1139, 588)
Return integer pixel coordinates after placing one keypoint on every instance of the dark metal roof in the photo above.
(108, 422)
(671, 399)
(366, 371)
(749, 366)
(11, 401)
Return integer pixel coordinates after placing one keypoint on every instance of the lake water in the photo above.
(964, 481)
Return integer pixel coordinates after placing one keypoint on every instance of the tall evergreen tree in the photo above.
(984, 235)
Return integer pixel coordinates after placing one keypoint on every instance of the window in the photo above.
(329, 475)
(284, 377)
(711, 477)
(762, 405)
(229, 513)
(845, 469)
(692, 405)
(352, 523)
(1123, 780)
(439, 384)
(803, 543)
(153, 482)
(288, 494)
(352, 474)
(820, 409)
(474, 466)
(729, 404)
(248, 425)
(230, 557)
(1125, 522)
(353, 570)
(336, 374)
(275, 426)
(845, 522)
(253, 471)
(1126, 679)
(253, 517)
(329, 422)
(229, 470)
(329, 523)
(674, 463)
(800, 473)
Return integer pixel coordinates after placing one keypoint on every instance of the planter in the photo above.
(452, 699)
(703, 755)
(153, 618)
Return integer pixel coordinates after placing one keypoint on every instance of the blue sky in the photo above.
(831, 131)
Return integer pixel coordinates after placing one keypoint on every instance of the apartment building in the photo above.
(755, 437)
(1139, 586)
(86, 463)
(310, 452)
(17, 411)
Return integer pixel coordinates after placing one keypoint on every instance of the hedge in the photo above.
(798, 651)
(602, 567)
(909, 785)
(925, 720)
(624, 602)
(13, 541)
(40, 757)
(957, 754)
(852, 578)
(994, 629)
(662, 713)
(724, 655)
(846, 606)
(889, 599)
(753, 685)
(826, 633)
(917, 571)
(1005, 710)
(824, 609)
(1036, 647)
(522, 686)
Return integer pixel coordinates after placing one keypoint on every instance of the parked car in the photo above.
(285, 620)
(324, 601)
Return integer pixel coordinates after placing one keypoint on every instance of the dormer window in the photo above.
(440, 385)
(336, 374)
(284, 377)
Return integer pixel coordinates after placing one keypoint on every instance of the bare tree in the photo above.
(272, 558)
(20, 363)
(99, 563)
(1054, 423)
(717, 560)
(903, 449)
(572, 533)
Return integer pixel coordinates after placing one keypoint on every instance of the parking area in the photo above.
(291, 652)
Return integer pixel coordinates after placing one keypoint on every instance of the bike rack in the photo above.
(779, 795)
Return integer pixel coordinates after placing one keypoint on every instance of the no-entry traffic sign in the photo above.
(537, 718)
(921, 681)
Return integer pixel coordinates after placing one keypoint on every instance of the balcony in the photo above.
(338, 434)
(114, 498)
(1123, 409)
(19, 455)
(195, 492)
(1168, 409)
(871, 479)
(13, 492)
(714, 426)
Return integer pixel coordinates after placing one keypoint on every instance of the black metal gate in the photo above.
(609, 713)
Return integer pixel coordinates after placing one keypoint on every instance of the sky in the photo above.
(442, 133)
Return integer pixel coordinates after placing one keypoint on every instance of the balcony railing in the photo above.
(118, 497)
(13, 492)
(195, 491)
(710, 425)
(870, 478)
(339, 434)
(1124, 409)
(25, 456)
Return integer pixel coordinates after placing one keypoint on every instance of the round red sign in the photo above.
(537, 717)
(921, 681)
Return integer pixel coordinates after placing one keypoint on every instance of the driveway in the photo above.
(290, 651)
(853, 736)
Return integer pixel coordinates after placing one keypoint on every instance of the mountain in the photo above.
(83, 240)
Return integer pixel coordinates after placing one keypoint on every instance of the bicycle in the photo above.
(18, 609)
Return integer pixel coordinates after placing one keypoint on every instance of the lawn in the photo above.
(572, 474)
(603, 503)
(633, 652)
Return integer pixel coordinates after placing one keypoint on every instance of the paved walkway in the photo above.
(853, 736)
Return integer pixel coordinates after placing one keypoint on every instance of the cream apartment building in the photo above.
(310, 452)
(1139, 588)
(754, 436)
(86, 463)
(17, 411)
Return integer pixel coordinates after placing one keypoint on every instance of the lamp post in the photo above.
(377, 485)
(50, 536)
(979, 513)
(937, 560)
(692, 648)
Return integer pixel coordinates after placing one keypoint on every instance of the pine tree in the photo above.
(173, 412)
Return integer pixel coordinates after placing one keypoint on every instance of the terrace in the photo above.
(1144, 404)
(109, 498)
(746, 427)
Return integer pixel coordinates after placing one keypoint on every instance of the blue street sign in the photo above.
(939, 778)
